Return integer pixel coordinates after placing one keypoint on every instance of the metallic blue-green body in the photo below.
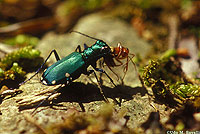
(72, 66)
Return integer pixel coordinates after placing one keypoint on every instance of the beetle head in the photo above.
(101, 47)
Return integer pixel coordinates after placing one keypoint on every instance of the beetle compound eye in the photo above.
(106, 50)
(102, 50)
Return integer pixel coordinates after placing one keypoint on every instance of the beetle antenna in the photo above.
(85, 35)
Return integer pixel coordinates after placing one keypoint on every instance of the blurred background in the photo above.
(162, 23)
(150, 29)
(147, 28)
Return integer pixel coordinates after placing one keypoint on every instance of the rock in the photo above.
(82, 95)
(190, 66)
(109, 29)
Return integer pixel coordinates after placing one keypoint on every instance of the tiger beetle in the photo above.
(65, 70)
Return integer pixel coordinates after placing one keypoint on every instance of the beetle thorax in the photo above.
(96, 51)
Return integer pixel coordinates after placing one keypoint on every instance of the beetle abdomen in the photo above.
(64, 70)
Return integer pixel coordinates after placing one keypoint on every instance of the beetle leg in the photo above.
(57, 58)
(99, 84)
(102, 71)
(85, 46)
(55, 53)
(78, 49)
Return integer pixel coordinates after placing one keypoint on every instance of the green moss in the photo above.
(23, 53)
(168, 82)
(14, 71)
(167, 69)
(14, 64)
(17, 69)
(186, 90)
(169, 53)
(9, 75)
(22, 40)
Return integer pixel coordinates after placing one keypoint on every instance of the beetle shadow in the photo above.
(85, 93)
